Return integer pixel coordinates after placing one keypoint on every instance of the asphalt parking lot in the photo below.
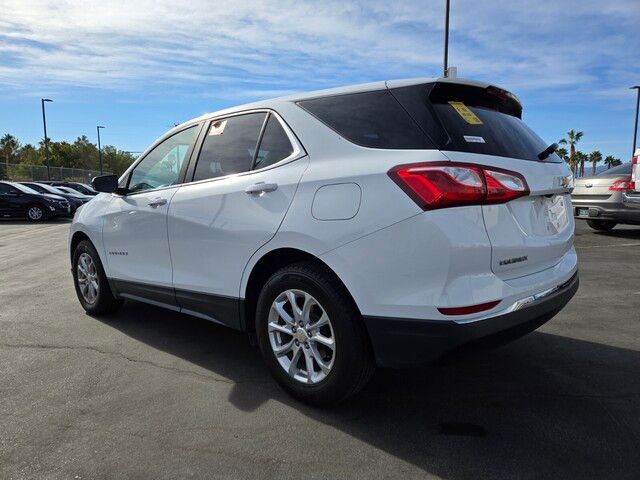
(149, 393)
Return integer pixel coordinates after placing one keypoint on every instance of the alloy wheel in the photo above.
(301, 336)
(35, 213)
(88, 278)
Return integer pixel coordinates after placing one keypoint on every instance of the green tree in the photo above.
(87, 153)
(116, 161)
(595, 158)
(572, 139)
(9, 147)
(29, 155)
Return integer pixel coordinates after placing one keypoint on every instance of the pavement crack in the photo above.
(125, 357)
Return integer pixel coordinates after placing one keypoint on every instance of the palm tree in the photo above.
(563, 154)
(611, 161)
(594, 158)
(573, 137)
(579, 159)
(9, 147)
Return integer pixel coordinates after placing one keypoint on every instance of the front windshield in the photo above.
(50, 189)
(24, 188)
(79, 187)
(71, 191)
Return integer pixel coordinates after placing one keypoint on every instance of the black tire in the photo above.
(36, 207)
(601, 225)
(105, 302)
(353, 364)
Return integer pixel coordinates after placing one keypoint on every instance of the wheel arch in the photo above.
(76, 238)
(37, 203)
(266, 266)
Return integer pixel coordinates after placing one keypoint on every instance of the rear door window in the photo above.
(229, 146)
(274, 146)
(370, 119)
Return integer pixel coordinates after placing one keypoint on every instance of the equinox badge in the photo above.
(509, 261)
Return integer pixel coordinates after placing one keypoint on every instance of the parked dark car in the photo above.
(75, 201)
(80, 187)
(17, 200)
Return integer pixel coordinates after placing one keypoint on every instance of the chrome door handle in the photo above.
(261, 188)
(157, 202)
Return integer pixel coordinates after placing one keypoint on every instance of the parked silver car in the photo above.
(605, 200)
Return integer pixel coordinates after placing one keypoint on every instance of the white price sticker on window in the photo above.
(474, 139)
(217, 127)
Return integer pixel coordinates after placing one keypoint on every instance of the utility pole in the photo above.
(46, 139)
(98, 127)
(635, 127)
(446, 38)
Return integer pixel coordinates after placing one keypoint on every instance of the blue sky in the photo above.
(138, 67)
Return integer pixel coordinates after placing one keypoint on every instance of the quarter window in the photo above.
(161, 167)
(230, 146)
(274, 146)
(370, 119)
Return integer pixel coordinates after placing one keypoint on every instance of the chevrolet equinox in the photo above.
(382, 224)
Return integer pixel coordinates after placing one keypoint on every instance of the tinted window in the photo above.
(472, 119)
(37, 188)
(624, 169)
(161, 167)
(274, 146)
(371, 119)
(229, 146)
(24, 189)
(4, 189)
(83, 188)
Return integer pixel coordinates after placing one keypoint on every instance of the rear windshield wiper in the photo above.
(548, 151)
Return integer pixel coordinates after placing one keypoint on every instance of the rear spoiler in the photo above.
(490, 96)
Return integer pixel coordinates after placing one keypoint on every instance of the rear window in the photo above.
(472, 119)
(624, 169)
(370, 119)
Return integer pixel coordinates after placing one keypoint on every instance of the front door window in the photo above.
(161, 167)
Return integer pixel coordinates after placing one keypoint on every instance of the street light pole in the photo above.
(99, 147)
(446, 38)
(635, 127)
(46, 139)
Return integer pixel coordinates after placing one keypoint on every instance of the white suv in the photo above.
(380, 224)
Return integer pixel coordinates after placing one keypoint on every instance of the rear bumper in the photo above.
(626, 211)
(403, 342)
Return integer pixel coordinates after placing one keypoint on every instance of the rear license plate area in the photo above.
(582, 212)
(556, 214)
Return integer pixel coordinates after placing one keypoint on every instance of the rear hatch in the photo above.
(482, 125)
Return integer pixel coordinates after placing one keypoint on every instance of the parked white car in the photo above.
(380, 224)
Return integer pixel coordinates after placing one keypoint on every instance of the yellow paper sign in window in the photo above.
(466, 114)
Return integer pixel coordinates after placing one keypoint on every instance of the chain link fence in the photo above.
(36, 173)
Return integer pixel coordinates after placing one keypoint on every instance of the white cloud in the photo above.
(254, 49)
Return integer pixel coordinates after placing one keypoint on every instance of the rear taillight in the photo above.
(451, 184)
(635, 160)
(621, 185)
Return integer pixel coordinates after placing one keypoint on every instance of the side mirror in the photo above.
(105, 183)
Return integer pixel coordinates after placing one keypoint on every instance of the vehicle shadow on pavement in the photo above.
(621, 232)
(18, 221)
(545, 406)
